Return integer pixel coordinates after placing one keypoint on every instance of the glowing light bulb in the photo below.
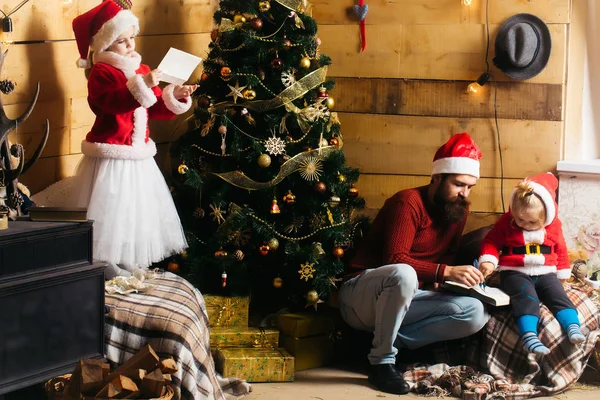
(467, 2)
(473, 87)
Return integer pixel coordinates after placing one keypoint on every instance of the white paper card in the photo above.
(177, 66)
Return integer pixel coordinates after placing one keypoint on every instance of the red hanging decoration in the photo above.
(224, 279)
(361, 10)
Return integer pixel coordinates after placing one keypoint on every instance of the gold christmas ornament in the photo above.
(353, 192)
(204, 76)
(305, 62)
(182, 169)
(330, 102)
(223, 130)
(274, 207)
(184, 255)
(264, 6)
(249, 94)
(338, 252)
(289, 198)
(264, 160)
(173, 267)
(311, 168)
(317, 250)
(334, 201)
(220, 253)
(264, 249)
(341, 178)
(239, 19)
(238, 255)
(277, 283)
(274, 244)
(312, 299)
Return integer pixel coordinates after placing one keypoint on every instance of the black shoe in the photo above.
(387, 379)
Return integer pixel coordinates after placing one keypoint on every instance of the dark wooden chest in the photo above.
(51, 301)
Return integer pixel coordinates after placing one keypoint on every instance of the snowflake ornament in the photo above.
(306, 271)
(275, 146)
(236, 91)
(288, 78)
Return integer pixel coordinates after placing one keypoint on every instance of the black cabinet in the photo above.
(51, 301)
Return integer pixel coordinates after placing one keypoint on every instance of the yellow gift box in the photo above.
(309, 352)
(227, 312)
(305, 324)
(243, 337)
(255, 364)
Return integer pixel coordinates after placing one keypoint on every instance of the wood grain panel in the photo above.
(391, 144)
(338, 12)
(53, 65)
(49, 170)
(541, 102)
(485, 197)
(52, 20)
(451, 52)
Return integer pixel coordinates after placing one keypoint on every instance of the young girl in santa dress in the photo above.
(528, 248)
(135, 220)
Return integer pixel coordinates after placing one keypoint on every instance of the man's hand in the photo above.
(152, 78)
(486, 268)
(181, 92)
(465, 274)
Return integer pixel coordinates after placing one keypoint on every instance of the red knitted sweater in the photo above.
(404, 232)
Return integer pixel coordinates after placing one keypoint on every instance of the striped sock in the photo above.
(574, 333)
(532, 344)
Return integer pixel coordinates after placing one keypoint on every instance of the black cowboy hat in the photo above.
(523, 46)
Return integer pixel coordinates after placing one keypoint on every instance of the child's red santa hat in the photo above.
(99, 27)
(459, 155)
(545, 186)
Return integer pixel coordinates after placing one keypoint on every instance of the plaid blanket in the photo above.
(172, 318)
(506, 370)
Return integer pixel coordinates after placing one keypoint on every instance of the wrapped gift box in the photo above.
(227, 312)
(309, 337)
(243, 337)
(255, 364)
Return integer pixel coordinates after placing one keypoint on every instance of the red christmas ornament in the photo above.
(173, 267)
(204, 76)
(203, 102)
(256, 24)
(224, 279)
(353, 192)
(338, 252)
(277, 63)
(323, 93)
(264, 249)
(334, 142)
(320, 187)
(274, 207)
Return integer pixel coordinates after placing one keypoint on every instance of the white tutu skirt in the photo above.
(135, 220)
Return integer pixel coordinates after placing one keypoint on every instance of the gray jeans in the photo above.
(387, 302)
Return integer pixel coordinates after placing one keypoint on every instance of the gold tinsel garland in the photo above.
(299, 89)
(239, 179)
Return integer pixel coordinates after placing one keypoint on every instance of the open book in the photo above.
(490, 295)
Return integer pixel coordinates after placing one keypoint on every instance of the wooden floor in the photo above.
(338, 384)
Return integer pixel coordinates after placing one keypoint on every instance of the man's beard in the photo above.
(450, 211)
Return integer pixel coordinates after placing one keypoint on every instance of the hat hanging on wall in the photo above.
(523, 46)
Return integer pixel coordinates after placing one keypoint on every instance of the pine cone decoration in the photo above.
(7, 86)
(16, 150)
(15, 200)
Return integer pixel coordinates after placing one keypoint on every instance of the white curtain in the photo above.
(591, 85)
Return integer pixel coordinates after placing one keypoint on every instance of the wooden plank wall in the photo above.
(398, 101)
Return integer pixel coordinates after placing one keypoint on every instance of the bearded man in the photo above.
(413, 241)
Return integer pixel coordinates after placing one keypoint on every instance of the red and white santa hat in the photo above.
(99, 27)
(459, 155)
(545, 186)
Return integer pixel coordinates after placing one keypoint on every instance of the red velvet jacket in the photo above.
(123, 104)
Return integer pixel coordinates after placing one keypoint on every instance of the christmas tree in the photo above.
(264, 193)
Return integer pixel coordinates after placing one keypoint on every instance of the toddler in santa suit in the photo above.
(135, 220)
(528, 248)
